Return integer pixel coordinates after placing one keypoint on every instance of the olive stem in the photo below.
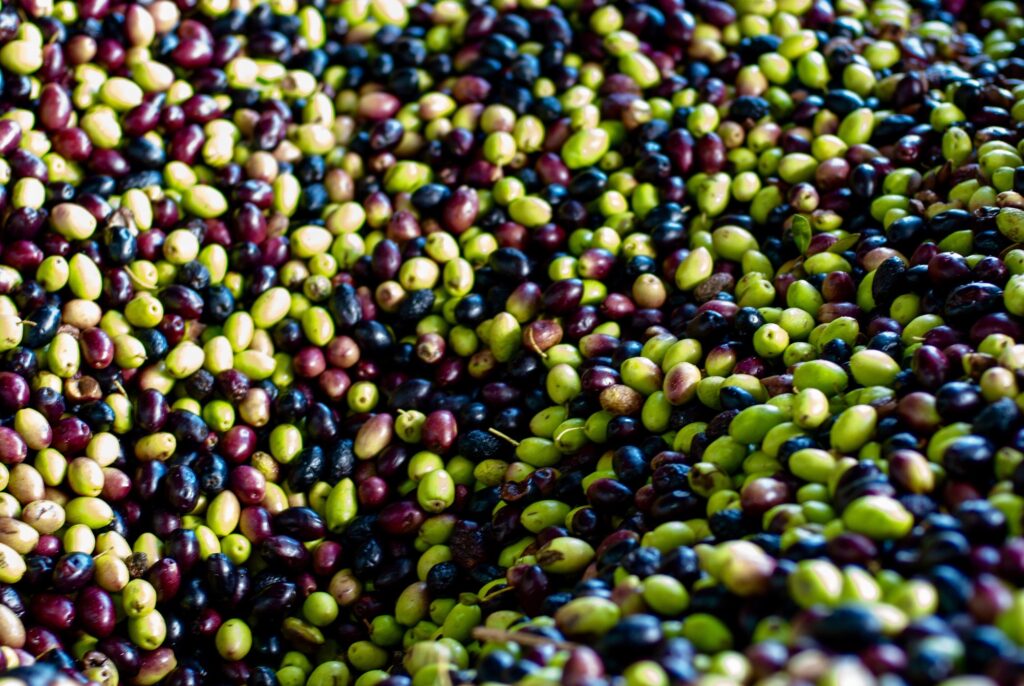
(483, 633)
(497, 593)
(533, 344)
(504, 436)
(137, 280)
(558, 436)
(442, 673)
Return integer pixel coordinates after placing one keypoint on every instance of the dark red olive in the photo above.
(94, 609)
(183, 546)
(385, 260)
(39, 641)
(250, 224)
(26, 164)
(400, 519)
(942, 337)
(762, 494)
(54, 107)
(608, 494)
(561, 297)
(13, 449)
(25, 223)
(123, 653)
(392, 460)
(48, 546)
(679, 146)
(326, 558)
(109, 163)
(10, 136)
(439, 431)
(23, 255)
(499, 394)
(309, 362)
(237, 444)
(116, 485)
(165, 576)
(372, 492)
(249, 484)
(994, 323)
(14, 392)
(192, 54)
(460, 210)
(988, 599)
(97, 348)
(141, 119)
(255, 524)
(71, 436)
(532, 586)
(207, 623)
(73, 143)
(596, 379)
(183, 301)
(334, 383)
(53, 611)
(930, 367)
(186, 144)
(710, 152)
(991, 269)
(596, 263)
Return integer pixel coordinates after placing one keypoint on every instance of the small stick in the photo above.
(571, 429)
(533, 343)
(495, 594)
(442, 673)
(504, 436)
(482, 633)
(139, 281)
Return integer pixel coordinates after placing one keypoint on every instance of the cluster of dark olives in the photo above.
(532, 342)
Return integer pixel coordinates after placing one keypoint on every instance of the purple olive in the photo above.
(72, 572)
(249, 484)
(181, 488)
(94, 609)
(439, 431)
(300, 523)
(276, 600)
(183, 547)
(53, 611)
(124, 654)
(285, 552)
(255, 524)
(165, 576)
(13, 449)
(400, 519)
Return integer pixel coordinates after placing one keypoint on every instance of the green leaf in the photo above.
(801, 230)
(845, 243)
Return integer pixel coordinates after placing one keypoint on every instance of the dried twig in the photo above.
(504, 436)
(483, 633)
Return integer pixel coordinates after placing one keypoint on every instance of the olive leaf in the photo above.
(801, 230)
(845, 243)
